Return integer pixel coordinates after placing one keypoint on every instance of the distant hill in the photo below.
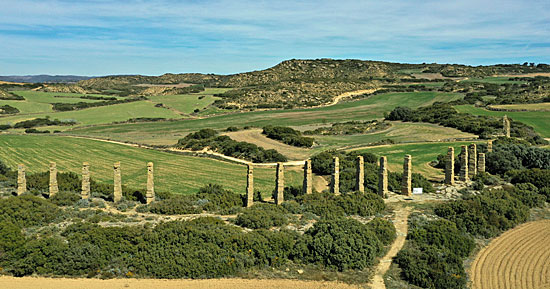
(295, 82)
(43, 78)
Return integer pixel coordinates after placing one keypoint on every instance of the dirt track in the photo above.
(519, 258)
(65, 283)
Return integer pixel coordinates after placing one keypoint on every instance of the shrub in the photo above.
(384, 230)
(340, 244)
(288, 136)
(262, 216)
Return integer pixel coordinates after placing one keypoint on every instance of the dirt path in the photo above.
(350, 94)
(81, 283)
(401, 225)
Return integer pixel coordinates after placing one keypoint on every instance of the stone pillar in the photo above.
(280, 184)
(249, 186)
(150, 195)
(464, 163)
(506, 126)
(85, 194)
(406, 187)
(481, 163)
(21, 180)
(472, 160)
(308, 178)
(490, 145)
(360, 175)
(450, 167)
(117, 192)
(383, 177)
(335, 184)
(53, 179)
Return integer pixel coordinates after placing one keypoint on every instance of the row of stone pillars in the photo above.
(86, 191)
(471, 163)
(307, 186)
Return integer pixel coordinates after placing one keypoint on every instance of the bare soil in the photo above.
(256, 137)
(519, 258)
(81, 283)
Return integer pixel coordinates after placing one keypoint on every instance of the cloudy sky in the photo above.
(153, 37)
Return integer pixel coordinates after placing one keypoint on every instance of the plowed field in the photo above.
(519, 258)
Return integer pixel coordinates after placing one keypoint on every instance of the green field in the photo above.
(36, 101)
(422, 154)
(173, 172)
(493, 79)
(187, 103)
(539, 120)
(373, 107)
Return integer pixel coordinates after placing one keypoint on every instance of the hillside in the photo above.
(293, 83)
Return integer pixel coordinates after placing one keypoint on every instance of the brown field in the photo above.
(546, 74)
(256, 137)
(519, 258)
(65, 283)
(545, 106)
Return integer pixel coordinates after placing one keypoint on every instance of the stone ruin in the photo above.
(53, 179)
(383, 177)
(471, 162)
(150, 195)
(85, 181)
(249, 186)
(506, 126)
(360, 175)
(464, 164)
(21, 180)
(406, 185)
(335, 183)
(279, 184)
(308, 178)
(450, 167)
(117, 180)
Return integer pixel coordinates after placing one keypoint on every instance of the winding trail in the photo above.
(401, 225)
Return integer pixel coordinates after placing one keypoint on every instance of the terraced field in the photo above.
(519, 258)
(539, 120)
(373, 107)
(525, 106)
(173, 172)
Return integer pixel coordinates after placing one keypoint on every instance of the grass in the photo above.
(493, 79)
(422, 154)
(187, 103)
(101, 114)
(539, 120)
(173, 172)
(373, 107)
(526, 106)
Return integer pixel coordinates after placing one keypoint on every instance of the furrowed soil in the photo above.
(66, 283)
(519, 258)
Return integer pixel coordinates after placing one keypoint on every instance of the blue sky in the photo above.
(228, 36)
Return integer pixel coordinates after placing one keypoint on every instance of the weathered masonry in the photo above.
(85, 181)
(53, 179)
(506, 126)
(308, 178)
(383, 177)
(464, 164)
(450, 167)
(21, 180)
(280, 184)
(406, 185)
(117, 176)
(481, 163)
(249, 186)
(360, 175)
(335, 183)
(150, 195)
(472, 160)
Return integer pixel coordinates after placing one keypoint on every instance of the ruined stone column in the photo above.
(117, 192)
(249, 186)
(308, 178)
(280, 184)
(472, 160)
(481, 163)
(506, 126)
(450, 167)
(464, 163)
(360, 175)
(53, 179)
(150, 195)
(406, 187)
(335, 184)
(490, 145)
(85, 194)
(383, 177)
(21, 180)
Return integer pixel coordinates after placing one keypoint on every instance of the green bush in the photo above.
(288, 136)
(262, 216)
(340, 244)
(384, 230)
(27, 210)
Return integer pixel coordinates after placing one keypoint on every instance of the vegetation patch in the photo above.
(288, 136)
(350, 127)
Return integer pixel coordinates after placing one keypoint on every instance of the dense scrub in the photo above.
(42, 122)
(8, 109)
(433, 256)
(484, 126)
(208, 138)
(288, 136)
(350, 127)
(507, 157)
(82, 105)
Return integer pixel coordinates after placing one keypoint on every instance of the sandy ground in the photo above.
(256, 137)
(65, 283)
(401, 225)
(519, 258)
